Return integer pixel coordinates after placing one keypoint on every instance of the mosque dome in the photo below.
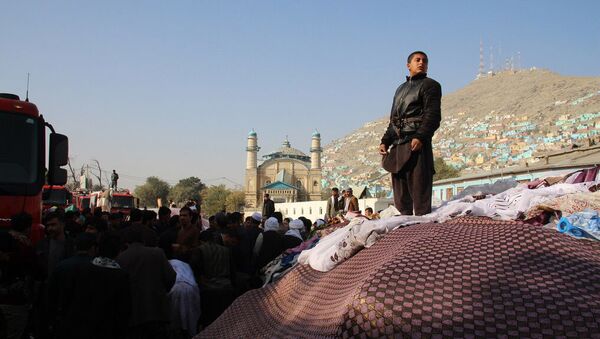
(252, 133)
(316, 134)
(287, 151)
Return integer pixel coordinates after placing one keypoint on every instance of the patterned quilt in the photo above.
(470, 276)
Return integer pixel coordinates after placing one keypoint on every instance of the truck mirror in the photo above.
(58, 156)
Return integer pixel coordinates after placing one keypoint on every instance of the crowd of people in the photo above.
(149, 274)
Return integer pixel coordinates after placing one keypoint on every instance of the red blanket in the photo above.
(466, 277)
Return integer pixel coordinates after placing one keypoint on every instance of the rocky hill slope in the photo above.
(495, 121)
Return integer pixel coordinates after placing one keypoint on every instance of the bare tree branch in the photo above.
(73, 173)
(99, 169)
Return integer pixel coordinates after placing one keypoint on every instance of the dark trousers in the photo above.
(413, 184)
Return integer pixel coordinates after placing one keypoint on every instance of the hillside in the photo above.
(495, 121)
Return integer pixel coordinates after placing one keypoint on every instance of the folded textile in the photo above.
(485, 189)
(585, 224)
(567, 204)
(283, 263)
(358, 234)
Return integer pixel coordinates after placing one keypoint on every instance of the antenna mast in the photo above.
(27, 93)
(491, 60)
(481, 64)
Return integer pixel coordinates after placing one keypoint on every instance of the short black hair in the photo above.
(411, 55)
(369, 209)
(234, 218)
(164, 211)
(84, 241)
(56, 215)
(134, 235)
(109, 245)
(135, 215)
(278, 216)
(186, 208)
(221, 219)
(335, 189)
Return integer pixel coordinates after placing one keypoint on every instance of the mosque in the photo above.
(287, 174)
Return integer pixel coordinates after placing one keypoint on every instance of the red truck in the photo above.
(81, 200)
(119, 200)
(55, 195)
(23, 170)
(122, 201)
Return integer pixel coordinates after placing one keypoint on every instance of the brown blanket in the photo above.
(466, 277)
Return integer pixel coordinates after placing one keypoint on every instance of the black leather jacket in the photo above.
(416, 110)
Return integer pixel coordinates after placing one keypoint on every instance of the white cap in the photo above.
(296, 224)
(257, 216)
(271, 224)
(320, 222)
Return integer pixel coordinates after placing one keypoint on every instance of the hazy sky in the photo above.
(171, 88)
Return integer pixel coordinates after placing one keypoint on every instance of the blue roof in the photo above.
(252, 133)
(279, 185)
(316, 134)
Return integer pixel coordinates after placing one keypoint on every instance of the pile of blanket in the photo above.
(479, 265)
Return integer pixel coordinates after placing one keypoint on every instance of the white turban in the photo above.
(296, 224)
(319, 222)
(272, 224)
(257, 216)
(294, 233)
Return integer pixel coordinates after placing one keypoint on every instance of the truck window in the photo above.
(18, 148)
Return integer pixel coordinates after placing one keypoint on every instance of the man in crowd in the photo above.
(187, 236)
(350, 201)
(415, 116)
(333, 204)
(164, 214)
(62, 281)
(268, 207)
(17, 268)
(151, 278)
(100, 298)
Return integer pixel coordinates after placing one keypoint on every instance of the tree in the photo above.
(153, 189)
(75, 180)
(186, 189)
(215, 199)
(99, 176)
(236, 200)
(443, 170)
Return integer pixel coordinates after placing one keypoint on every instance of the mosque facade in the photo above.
(287, 174)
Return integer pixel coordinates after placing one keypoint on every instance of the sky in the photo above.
(172, 88)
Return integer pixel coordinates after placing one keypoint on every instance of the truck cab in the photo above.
(23, 170)
(58, 196)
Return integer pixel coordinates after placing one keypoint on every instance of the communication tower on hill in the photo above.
(481, 64)
(491, 71)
